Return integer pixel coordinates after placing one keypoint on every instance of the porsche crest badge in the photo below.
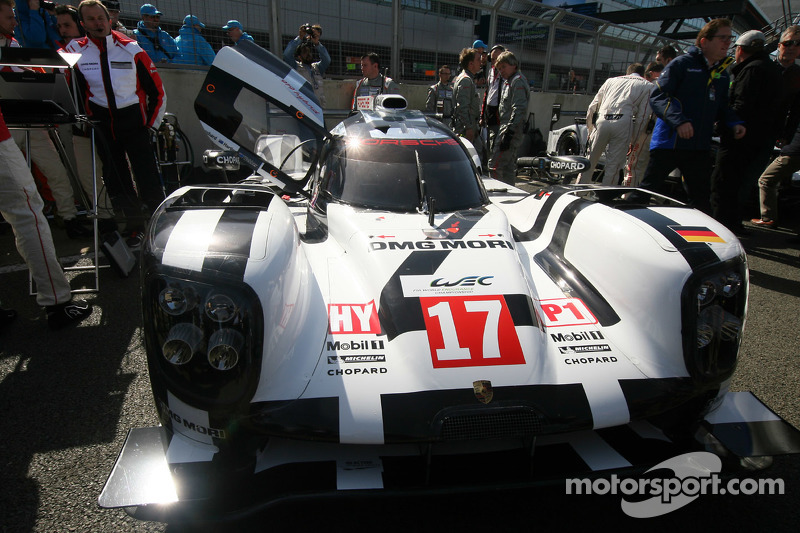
(483, 390)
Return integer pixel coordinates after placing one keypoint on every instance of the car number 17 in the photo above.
(471, 331)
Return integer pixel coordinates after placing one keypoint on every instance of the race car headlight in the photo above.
(714, 307)
(220, 307)
(176, 301)
(706, 293)
(182, 342)
(204, 335)
(223, 348)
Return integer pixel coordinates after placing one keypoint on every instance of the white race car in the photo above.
(367, 313)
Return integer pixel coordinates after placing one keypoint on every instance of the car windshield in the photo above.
(401, 174)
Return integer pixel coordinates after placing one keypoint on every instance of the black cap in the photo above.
(111, 5)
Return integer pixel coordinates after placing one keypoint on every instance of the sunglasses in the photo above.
(724, 38)
(795, 42)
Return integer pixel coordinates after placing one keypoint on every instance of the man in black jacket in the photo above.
(788, 119)
(753, 96)
(690, 96)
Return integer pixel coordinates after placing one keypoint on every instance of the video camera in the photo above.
(309, 29)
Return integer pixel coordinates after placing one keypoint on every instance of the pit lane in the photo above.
(69, 397)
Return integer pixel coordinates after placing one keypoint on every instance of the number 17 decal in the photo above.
(471, 331)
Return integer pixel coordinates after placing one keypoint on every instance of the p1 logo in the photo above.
(561, 312)
(471, 331)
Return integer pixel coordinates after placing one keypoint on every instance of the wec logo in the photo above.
(467, 281)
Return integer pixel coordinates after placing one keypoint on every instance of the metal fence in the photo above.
(559, 49)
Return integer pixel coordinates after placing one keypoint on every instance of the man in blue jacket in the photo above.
(158, 44)
(690, 96)
(312, 36)
(37, 25)
(236, 32)
(193, 47)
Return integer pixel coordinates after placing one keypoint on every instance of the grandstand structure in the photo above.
(562, 48)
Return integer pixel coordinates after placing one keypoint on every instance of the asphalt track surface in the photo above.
(69, 397)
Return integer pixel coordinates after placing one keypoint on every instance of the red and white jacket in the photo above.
(116, 73)
(9, 40)
(4, 133)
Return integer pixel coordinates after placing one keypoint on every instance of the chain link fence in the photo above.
(560, 50)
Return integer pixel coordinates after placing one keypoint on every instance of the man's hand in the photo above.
(469, 134)
(739, 131)
(685, 130)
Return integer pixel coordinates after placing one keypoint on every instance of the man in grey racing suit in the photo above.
(512, 111)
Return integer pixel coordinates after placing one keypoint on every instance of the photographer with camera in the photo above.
(37, 24)
(308, 34)
(311, 70)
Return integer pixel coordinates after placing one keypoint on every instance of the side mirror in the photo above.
(555, 116)
(221, 160)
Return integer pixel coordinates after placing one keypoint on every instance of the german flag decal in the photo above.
(696, 234)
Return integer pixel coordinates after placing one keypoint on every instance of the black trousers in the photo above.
(738, 167)
(126, 135)
(695, 165)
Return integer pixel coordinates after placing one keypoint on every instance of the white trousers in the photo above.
(21, 206)
(44, 154)
(638, 160)
(613, 136)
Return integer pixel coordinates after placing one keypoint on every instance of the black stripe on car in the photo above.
(697, 254)
(229, 248)
(399, 314)
(541, 218)
(458, 224)
(552, 262)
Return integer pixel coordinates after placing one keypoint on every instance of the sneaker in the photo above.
(76, 230)
(134, 239)
(68, 313)
(764, 222)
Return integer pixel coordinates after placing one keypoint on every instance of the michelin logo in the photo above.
(592, 348)
(335, 359)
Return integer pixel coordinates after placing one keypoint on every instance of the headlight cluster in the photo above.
(222, 346)
(714, 305)
(204, 336)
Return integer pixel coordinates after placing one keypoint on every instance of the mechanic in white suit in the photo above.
(618, 104)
